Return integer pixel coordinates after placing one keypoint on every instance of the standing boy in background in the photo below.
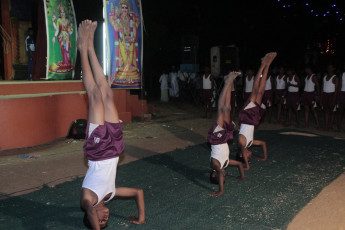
(330, 89)
(310, 95)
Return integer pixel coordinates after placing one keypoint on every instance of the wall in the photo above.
(31, 114)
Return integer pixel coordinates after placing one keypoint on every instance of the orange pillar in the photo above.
(6, 24)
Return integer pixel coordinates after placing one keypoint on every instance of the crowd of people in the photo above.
(288, 90)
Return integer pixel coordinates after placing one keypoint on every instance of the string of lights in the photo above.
(331, 10)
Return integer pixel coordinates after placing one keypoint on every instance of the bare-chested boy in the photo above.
(218, 136)
(104, 142)
(252, 112)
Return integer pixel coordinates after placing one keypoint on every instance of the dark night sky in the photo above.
(254, 26)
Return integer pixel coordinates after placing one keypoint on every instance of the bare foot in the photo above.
(261, 159)
(92, 28)
(216, 194)
(135, 220)
(83, 35)
(231, 76)
(269, 57)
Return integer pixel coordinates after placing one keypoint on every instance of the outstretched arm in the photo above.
(239, 165)
(264, 149)
(138, 195)
(245, 157)
(215, 165)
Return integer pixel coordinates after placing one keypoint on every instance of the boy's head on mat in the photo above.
(102, 213)
(214, 177)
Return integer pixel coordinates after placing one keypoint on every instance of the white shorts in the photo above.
(100, 178)
(248, 132)
(221, 153)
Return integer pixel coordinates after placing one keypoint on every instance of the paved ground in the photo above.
(172, 126)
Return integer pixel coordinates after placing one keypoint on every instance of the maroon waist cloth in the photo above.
(267, 98)
(207, 95)
(279, 96)
(105, 142)
(221, 137)
(308, 98)
(292, 100)
(328, 101)
(251, 116)
(341, 100)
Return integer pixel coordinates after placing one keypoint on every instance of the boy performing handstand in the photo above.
(218, 136)
(104, 142)
(252, 112)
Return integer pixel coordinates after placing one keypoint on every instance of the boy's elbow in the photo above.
(140, 192)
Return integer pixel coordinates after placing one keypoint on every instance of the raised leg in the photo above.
(96, 109)
(225, 99)
(110, 111)
(261, 89)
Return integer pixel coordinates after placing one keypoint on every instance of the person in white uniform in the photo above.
(341, 102)
(248, 84)
(330, 88)
(292, 96)
(267, 99)
(280, 92)
(174, 89)
(163, 80)
(311, 94)
(207, 91)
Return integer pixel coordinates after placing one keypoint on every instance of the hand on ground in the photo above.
(135, 220)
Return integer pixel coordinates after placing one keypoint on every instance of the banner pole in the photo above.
(142, 45)
(47, 34)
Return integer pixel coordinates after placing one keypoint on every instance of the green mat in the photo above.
(176, 190)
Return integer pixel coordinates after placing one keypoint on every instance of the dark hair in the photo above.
(310, 66)
(87, 223)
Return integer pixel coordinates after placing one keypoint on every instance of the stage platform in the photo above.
(36, 112)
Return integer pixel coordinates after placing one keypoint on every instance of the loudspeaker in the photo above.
(78, 129)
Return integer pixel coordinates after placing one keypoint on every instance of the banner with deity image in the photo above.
(61, 39)
(124, 43)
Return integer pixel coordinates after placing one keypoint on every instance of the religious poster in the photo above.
(124, 43)
(61, 39)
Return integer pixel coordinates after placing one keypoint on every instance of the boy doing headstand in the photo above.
(220, 132)
(104, 142)
(252, 112)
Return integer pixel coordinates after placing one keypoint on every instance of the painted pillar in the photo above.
(6, 24)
